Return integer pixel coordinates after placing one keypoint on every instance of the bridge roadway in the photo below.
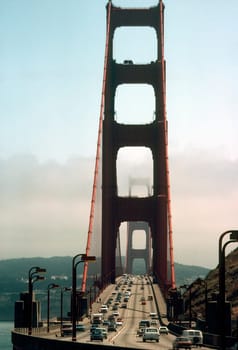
(126, 335)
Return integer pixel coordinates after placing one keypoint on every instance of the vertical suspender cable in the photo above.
(166, 149)
(93, 199)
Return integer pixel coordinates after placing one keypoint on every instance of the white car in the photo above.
(151, 333)
(163, 329)
(116, 313)
(194, 335)
(104, 309)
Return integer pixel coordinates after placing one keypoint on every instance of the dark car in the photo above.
(112, 327)
(106, 322)
(80, 328)
(182, 343)
(68, 331)
(127, 62)
(97, 334)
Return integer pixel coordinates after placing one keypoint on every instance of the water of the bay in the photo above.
(5, 335)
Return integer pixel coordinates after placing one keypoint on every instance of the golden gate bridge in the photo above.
(152, 212)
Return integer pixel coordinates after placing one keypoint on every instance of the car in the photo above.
(93, 326)
(97, 318)
(153, 315)
(182, 343)
(124, 306)
(194, 335)
(67, 331)
(154, 322)
(80, 328)
(144, 323)
(119, 321)
(127, 62)
(112, 327)
(97, 334)
(151, 333)
(140, 332)
(163, 330)
(105, 322)
(143, 302)
(111, 318)
(104, 309)
(115, 313)
(103, 330)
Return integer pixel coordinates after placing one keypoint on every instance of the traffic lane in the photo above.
(129, 338)
(110, 291)
(135, 312)
(135, 309)
(127, 334)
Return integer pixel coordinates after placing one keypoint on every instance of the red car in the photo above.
(182, 343)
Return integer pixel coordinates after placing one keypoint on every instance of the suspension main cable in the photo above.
(166, 149)
(97, 160)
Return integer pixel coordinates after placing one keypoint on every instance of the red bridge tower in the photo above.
(153, 209)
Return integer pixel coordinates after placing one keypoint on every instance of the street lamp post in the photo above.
(65, 289)
(222, 287)
(190, 307)
(83, 258)
(33, 276)
(172, 304)
(188, 288)
(200, 281)
(50, 286)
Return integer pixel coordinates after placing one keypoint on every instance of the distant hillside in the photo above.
(14, 278)
(186, 274)
(212, 281)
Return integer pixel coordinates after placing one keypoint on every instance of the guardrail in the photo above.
(38, 330)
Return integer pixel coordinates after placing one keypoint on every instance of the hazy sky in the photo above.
(51, 67)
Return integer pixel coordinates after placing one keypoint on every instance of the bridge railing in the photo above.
(38, 330)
